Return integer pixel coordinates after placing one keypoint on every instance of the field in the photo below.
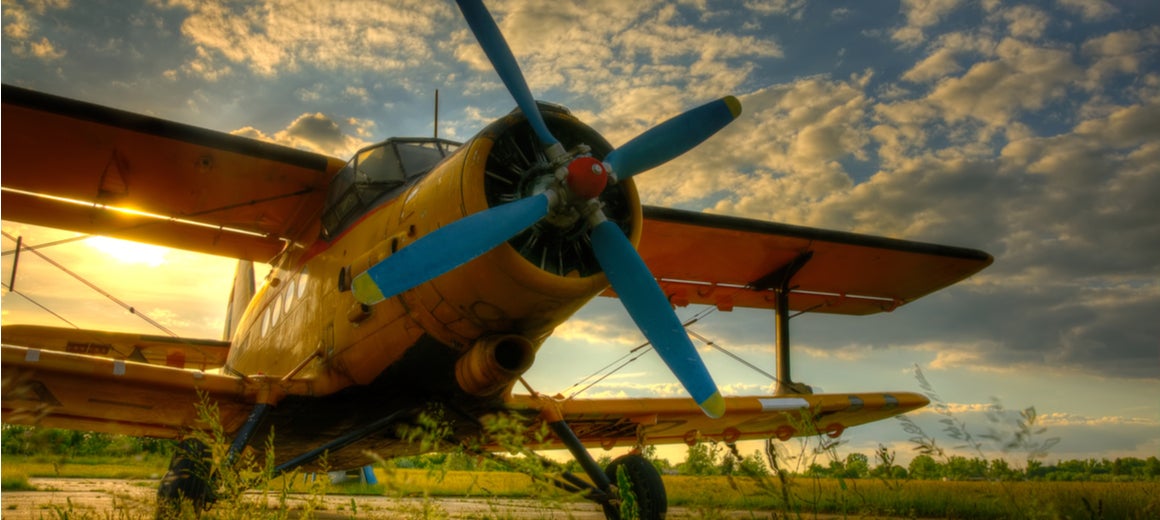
(693, 496)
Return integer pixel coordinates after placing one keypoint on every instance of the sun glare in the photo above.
(129, 252)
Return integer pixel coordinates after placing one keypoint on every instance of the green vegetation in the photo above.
(1005, 475)
(14, 481)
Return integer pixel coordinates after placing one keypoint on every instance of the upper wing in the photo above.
(93, 169)
(728, 261)
(627, 422)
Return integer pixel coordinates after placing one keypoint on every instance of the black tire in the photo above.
(646, 486)
(187, 481)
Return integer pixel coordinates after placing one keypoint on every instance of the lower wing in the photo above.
(628, 422)
(87, 392)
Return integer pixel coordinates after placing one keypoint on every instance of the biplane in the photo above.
(425, 272)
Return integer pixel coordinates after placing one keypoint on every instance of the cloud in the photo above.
(921, 14)
(791, 8)
(319, 133)
(614, 331)
(785, 150)
(636, 64)
(272, 37)
(22, 25)
(1089, 10)
(1024, 21)
(1024, 77)
(1118, 53)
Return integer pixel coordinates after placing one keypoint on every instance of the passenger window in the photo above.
(302, 284)
(275, 310)
(288, 297)
(265, 321)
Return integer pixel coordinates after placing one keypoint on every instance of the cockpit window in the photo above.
(419, 157)
(376, 173)
(380, 167)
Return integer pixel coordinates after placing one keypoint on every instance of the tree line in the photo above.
(710, 459)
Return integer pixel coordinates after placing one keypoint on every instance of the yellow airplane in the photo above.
(424, 272)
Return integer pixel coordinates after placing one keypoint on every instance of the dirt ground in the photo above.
(81, 498)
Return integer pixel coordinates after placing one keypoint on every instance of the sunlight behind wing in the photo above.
(129, 252)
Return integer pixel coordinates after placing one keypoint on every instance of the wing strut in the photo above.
(779, 280)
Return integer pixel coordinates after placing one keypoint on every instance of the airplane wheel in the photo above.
(644, 481)
(187, 480)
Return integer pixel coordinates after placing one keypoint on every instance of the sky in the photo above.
(1028, 130)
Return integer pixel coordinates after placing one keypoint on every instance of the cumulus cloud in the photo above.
(1023, 77)
(1118, 53)
(317, 132)
(639, 63)
(22, 26)
(921, 14)
(791, 8)
(786, 150)
(278, 36)
(1024, 21)
(1089, 10)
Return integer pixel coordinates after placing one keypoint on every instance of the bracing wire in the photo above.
(635, 354)
(640, 350)
(38, 304)
(94, 287)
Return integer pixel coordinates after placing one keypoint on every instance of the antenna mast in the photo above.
(437, 113)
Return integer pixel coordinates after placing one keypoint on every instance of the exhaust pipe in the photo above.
(492, 363)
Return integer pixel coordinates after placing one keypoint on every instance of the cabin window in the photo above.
(275, 310)
(265, 321)
(288, 298)
(302, 284)
(376, 173)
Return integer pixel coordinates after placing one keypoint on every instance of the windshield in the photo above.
(377, 173)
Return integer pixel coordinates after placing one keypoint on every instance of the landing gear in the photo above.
(645, 492)
(188, 481)
(190, 478)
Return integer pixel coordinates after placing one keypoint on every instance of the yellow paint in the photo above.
(499, 292)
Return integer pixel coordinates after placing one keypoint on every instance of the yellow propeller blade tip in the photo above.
(734, 105)
(365, 290)
(714, 406)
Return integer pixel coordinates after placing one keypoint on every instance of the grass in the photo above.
(15, 481)
(922, 498)
(858, 498)
(86, 467)
(783, 495)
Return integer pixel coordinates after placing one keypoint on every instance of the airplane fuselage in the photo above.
(466, 335)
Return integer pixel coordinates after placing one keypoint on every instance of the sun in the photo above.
(129, 252)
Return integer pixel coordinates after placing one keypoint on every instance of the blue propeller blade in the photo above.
(666, 141)
(497, 50)
(649, 308)
(447, 248)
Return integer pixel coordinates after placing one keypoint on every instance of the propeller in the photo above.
(580, 181)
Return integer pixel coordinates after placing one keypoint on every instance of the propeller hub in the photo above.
(587, 177)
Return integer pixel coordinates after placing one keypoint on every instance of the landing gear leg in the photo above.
(188, 481)
(190, 476)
